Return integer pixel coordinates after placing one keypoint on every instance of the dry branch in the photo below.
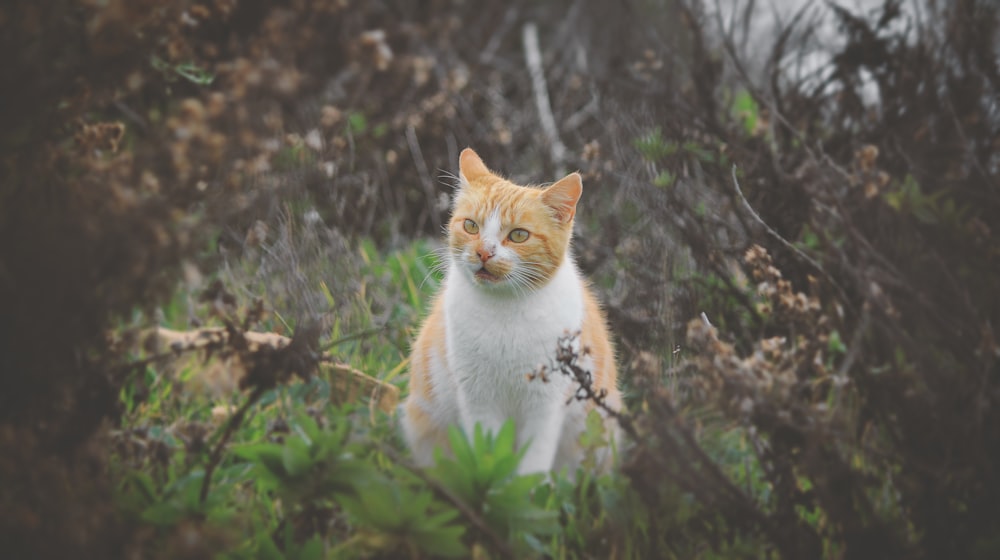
(348, 384)
(533, 57)
(786, 243)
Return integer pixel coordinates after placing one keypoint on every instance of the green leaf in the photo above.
(835, 345)
(187, 70)
(357, 123)
(312, 549)
(506, 438)
(521, 486)
(143, 484)
(460, 446)
(653, 147)
(664, 179)
(267, 549)
(504, 467)
(163, 514)
(745, 108)
(593, 434)
(699, 152)
(194, 74)
(456, 478)
(295, 457)
(446, 542)
(307, 428)
(376, 506)
(266, 456)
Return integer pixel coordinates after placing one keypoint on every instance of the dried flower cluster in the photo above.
(144, 141)
(855, 354)
(782, 373)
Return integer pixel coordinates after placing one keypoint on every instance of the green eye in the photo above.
(519, 235)
(471, 227)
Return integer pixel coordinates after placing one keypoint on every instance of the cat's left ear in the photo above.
(563, 195)
(471, 166)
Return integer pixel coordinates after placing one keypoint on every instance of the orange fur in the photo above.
(497, 207)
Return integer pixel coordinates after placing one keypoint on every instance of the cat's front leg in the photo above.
(476, 411)
(541, 432)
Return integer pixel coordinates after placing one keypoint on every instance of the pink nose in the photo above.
(484, 255)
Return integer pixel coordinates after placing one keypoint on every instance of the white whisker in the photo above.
(442, 257)
(449, 179)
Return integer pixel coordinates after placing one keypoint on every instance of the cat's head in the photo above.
(506, 237)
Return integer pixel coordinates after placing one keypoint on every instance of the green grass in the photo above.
(302, 477)
(295, 452)
(397, 287)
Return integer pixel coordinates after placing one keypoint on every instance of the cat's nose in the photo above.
(484, 254)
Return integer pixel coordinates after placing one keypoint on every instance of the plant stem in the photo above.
(501, 545)
(231, 425)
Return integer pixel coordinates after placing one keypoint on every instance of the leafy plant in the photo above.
(483, 474)
(311, 463)
(395, 518)
(747, 111)
(653, 146)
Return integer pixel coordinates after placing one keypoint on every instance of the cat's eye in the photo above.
(518, 235)
(471, 227)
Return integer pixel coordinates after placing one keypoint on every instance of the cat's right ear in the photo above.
(470, 166)
(563, 195)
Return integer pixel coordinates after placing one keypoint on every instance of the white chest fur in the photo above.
(495, 340)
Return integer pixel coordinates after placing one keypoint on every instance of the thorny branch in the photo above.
(694, 464)
(567, 363)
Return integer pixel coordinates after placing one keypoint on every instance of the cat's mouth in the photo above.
(486, 275)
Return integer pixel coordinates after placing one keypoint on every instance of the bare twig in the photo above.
(788, 244)
(566, 363)
(234, 421)
(349, 380)
(860, 330)
(425, 177)
(354, 336)
(533, 57)
(131, 114)
(578, 118)
(489, 51)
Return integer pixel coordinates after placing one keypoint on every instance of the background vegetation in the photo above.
(791, 220)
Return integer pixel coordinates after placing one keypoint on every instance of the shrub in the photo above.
(817, 378)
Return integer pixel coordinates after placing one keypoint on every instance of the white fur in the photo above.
(494, 338)
(490, 236)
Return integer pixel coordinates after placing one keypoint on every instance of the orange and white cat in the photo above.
(511, 290)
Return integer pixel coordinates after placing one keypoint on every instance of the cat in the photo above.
(511, 290)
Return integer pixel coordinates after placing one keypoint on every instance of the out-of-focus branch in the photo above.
(533, 57)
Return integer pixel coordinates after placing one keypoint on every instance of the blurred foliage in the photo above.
(844, 275)
(800, 262)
